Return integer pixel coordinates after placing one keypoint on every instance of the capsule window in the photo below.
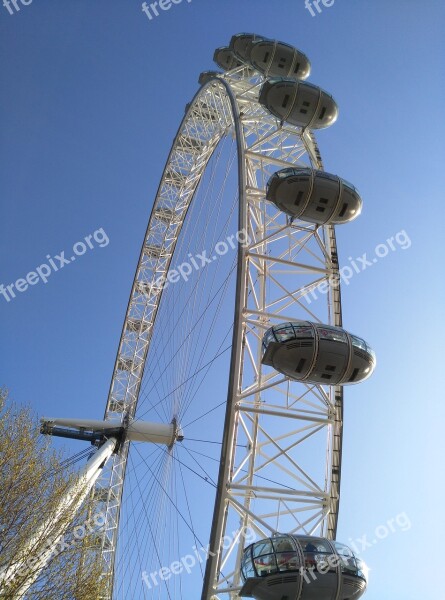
(265, 565)
(348, 565)
(288, 562)
(311, 546)
(300, 365)
(343, 209)
(287, 558)
(323, 112)
(343, 550)
(348, 184)
(324, 175)
(284, 334)
(283, 544)
(299, 197)
(358, 342)
(268, 337)
(331, 333)
(261, 548)
(355, 372)
(302, 171)
(303, 331)
(247, 568)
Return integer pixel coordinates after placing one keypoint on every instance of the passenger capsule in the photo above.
(317, 353)
(299, 103)
(314, 196)
(277, 59)
(301, 567)
(226, 59)
(241, 45)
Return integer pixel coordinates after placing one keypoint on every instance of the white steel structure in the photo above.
(280, 457)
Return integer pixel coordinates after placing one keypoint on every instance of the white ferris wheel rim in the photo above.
(232, 93)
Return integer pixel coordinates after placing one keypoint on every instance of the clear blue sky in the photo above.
(92, 95)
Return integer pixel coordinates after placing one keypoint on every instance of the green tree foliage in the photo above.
(32, 483)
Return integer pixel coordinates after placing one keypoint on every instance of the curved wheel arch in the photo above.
(231, 94)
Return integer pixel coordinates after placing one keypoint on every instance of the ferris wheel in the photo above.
(220, 449)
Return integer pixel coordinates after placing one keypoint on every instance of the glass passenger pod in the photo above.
(299, 103)
(301, 568)
(314, 196)
(241, 45)
(277, 59)
(317, 353)
(226, 59)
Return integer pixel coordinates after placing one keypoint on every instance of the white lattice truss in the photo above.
(269, 419)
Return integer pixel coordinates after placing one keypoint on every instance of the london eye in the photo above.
(221, 442)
